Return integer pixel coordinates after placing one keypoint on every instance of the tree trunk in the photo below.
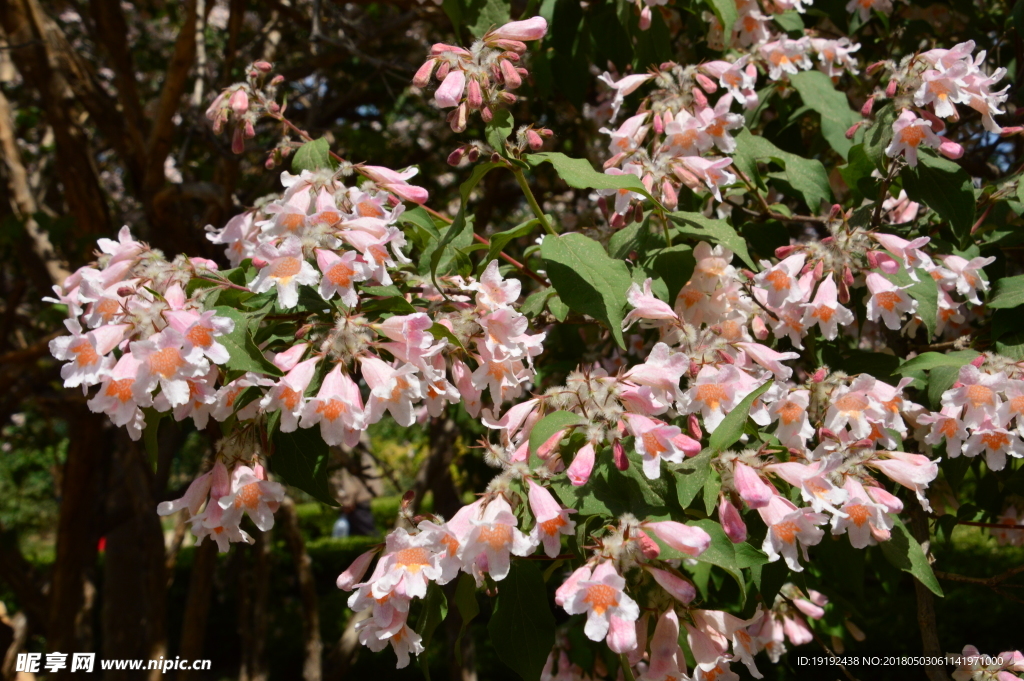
(311, 667)
(71, 586)
(197, 605)
(930, 645)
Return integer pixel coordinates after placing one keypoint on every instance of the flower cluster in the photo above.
(973, 666)
(482, 77)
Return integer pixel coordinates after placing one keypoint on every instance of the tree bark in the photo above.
(197, 605)
(926, 621)
(311, 667)
(69, 628)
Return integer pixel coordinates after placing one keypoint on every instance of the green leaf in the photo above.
(551, 424)
(578, 173)
(946, 188)
(313, 155)
(727, 14)
(459, 223)
(903, 551)
(941, 379)
(878, 136)
(534, 303)
(522, 627)
(675, 266)
(1009, 292)
(807, 176)
(711, 490)
(421, 219)
(731, 428)
(587, 280)
(857, 174)
(790, 21)
(469, 608)
(818, 93)
(930, 360)
(150, 432)
(480, 16)
(718, 231)
(435, 609)
(498, 130)
(442, 331)
(559, 309)
(244, 355)
(691, 475)
(502, 239)
(300, 459)
(925, 291)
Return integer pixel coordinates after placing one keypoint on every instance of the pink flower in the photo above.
(942, 89)
(533, 28)
(450, 92)
(667, 660)
(393, 390)
(996, 443)
(623, 87)
(646, 305)
(710, 171)
(945, 426)
(354, 572)
(253, 495)
(692, 541)
(751, 488)
(657, 441)
(913, 471)
(718, 122)
(338, 408)
(731, 521)
(88, 352)
(826, 311)
(165, 363)
(551, 520)
(193, 499)
(582, 465)
(661, 372)
(791, 412)
(493, 291)
(686, 136)
(813, 481)
(677, 587)
(789, 528)
(286, 269)
(979, 393)
(966, 274)
(339, 275)
(856, 408)
(908, 133)
(610, 612)
(863, 520)
(769, 359)
(491, 540)
(288, 394)
(782, 281)
(396, 182)
(118, 398)
(411, 562)
(713, 393)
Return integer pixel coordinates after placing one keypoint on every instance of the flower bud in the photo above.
(751, 488)
(237, 141)
(692, 541)
(507, 97)
(669, 197)
(819, 375)
(474, 97)
(277, 80)
(533, 28)
(699, 99)
(693, 425)
(582, 465)
(852, 130)
(1011, 130)
(675, 586)
(460, 118)
(239, 102)
(648, 546)
(978, 361)
(645, 18)
(951, 149)
(455, 158)
(510, 75)
(422, 77)
(760, 329)
(783, 252)
(639, 212)
(534, 140)
(450, 92)
(709, 85)
(619, 456)
(259, 263)
(731, 521)
(618, 221)
(473, 154)
(443, 70)
(263, 66)
(865, 110)
(250, 131)
(125, 291)
(874, 67)
(354, 573)
(890, 89)
(485, 113)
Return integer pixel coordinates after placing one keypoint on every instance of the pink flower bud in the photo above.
(852, 130)
(277, 80)
(783, 252)
(455, 158)
(669, 196)
(510, 75)
(828, 240)
(645, 18)
(534, 28)
(534, 140)
(659, 125)
(443, 70)
(582, 465)
(264, 66)
(951, 149)
(259, 263)
(239, 102)
(731, 521)
(270, 163)
(824, 433)
(937, 124)
(819, 375)
(693, 425)
(485, 113)
(474, 96)
(237, 141)
(639, 212)
(544, 451)
(699, 99)
(250, 131)
(819, 270)
(507, 97)
(473, 155)
(751, 488)
(460, 118)
(450, 92)
(1011, 130)
(709, 85)
(890, 89)
(872, 258)
(619, 456)
(422, 77)
(844, 292)
(865, 110)
(760, 329)
(513, 46)
(648, 546)
(354, 573)
(848, 276)
(978, 361)
(676, 586)
(874, 67)
(692, 541)
(125, 291)
(618, 221)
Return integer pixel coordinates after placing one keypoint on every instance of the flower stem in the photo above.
(627, 671)
(525, 186)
